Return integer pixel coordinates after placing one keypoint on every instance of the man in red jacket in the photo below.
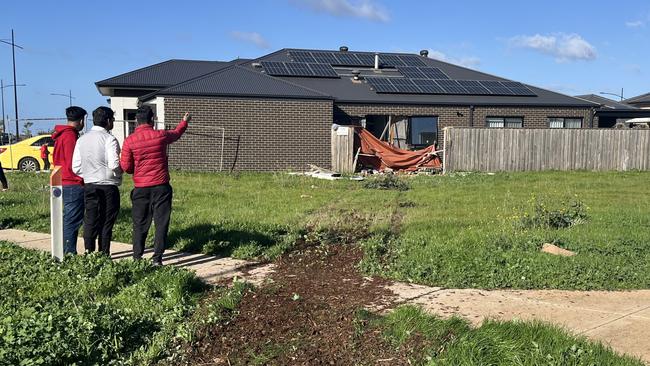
(65, 138)
(144, 154)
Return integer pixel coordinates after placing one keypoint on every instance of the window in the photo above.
(505, 122)
(43, 140)
(559, 122)
(423, 131)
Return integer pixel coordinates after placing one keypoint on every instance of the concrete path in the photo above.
(209, 268)
(618, 318)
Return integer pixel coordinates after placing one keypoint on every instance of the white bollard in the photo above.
(56, 213)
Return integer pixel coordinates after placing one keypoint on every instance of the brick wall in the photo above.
(261, 134)
(450, 116)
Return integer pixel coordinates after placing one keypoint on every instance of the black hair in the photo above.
(101, 116)
(144, 114)
(75, 114)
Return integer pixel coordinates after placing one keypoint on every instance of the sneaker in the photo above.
(157, 264)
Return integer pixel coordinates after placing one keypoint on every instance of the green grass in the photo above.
(462, 230)
(90, 310)
(437, 341)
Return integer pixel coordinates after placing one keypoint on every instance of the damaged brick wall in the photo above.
(452, 116)
(261, 134)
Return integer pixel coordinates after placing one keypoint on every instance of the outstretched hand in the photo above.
(187, 117)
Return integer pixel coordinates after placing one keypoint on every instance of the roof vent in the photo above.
(376, 61)
(424, 53)
(343, 48)
(355, 75)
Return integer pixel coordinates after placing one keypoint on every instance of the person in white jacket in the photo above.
(96, 159)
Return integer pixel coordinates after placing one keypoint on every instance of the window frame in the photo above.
(504, 118)
(564, 119)
(409, 131)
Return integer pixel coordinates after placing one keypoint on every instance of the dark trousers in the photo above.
(73, 216)
(46, 164)
(3, 179)
(151, 203)
(102, 207)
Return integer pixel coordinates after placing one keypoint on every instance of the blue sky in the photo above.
(574, 47)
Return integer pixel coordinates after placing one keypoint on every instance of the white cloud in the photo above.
(366, 9)
(564, 47)
(250, 37)
(635, 24)
(466, 61)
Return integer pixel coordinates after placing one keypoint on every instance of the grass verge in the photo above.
(435, 341)
(89, 309)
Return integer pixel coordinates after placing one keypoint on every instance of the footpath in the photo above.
(620, 319)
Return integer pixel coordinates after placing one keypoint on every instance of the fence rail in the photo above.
(491, 150)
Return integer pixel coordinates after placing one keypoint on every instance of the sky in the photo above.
(573, 47)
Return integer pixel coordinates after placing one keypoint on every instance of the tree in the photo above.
(26, 129)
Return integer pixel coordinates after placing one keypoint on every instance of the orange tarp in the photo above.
(385, 155)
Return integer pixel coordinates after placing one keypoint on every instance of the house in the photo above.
(612, 112)
(640, 101)
(276, 112)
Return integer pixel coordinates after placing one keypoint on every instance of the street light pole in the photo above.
(616, 95)
(69, 96)
(2, 91)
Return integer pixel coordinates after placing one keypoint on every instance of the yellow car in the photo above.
(26, 154)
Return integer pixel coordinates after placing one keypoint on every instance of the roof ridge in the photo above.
(634, 99)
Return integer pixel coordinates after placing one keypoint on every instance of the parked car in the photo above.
(26, 154)
(635, 123)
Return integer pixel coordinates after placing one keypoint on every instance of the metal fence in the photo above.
(492, 150)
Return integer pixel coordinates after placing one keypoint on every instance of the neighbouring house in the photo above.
(612, 112)
(640, 101)
(276, 112)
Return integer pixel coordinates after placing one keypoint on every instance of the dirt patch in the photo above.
(310, 312)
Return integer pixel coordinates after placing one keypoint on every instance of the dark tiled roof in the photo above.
(164, 74)
(643, 98)
(240, 81)
(345, 91)
(246, 80)
(606, 102)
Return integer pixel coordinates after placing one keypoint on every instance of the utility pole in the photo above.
(2, 91)
(13, 57)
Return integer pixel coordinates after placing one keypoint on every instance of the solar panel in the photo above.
(451, 87)
(298, 69)
(381, 85)
(348, 59)
(412, 60)
(428, 86)
(301, 56)
(366, 59)
(411, 72)
(323, 70)
(433, 73)
(518, 88)
(405, 86)
(495, 87)
(275, 68)
(325, 58)
(474, 87)
(390, 60)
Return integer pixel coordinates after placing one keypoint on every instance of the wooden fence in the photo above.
(343, 149)
(491, 150)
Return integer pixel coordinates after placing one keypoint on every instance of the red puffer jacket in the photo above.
(144, 154)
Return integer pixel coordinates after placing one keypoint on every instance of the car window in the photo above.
(43, 140)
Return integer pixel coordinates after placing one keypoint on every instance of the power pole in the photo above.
(13, 57)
